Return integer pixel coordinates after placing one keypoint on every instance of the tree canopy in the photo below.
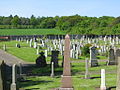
(75, 24)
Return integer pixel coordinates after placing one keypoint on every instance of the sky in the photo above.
(90, 8)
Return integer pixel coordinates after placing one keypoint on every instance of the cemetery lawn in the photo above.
(39, 78)
(9, 32)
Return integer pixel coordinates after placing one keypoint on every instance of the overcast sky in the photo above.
(92, 8)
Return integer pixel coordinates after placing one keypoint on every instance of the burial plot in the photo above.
(93, 58)
(66, 78)
(54, 58)
(111, 57)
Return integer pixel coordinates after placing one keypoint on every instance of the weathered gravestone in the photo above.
(66, 78)
(93, 58)
(52, 69)
(117, 54)
(111, 57)
(41, 60)
(2, 76)
(87, 76)
(102, 86)
(54, 58)
(118, 75)
(14, 73)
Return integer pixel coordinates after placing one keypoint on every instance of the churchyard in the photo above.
(88, 55)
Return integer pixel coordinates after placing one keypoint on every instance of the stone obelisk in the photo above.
(66, 77)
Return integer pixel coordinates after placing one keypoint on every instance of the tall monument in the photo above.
(66, 77)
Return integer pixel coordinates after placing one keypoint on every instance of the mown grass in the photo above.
(8, 32)
(41, 80)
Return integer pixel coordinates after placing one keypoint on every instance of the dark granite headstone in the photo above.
(54, 58)
(111, 57)
(41, 60)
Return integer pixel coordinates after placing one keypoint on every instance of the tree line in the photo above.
(75, 24)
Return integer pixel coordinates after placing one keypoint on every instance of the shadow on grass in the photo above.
(110, 88)
(27, 83)
(33, 70)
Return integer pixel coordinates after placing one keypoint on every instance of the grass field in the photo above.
(8, 32)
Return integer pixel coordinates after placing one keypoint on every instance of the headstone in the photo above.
(20, 68)
(102, 86)
(4, 47)
(111, 57)
(31, 43)
(38, 50)
(93, 58)
(52, 69)
(35, 45)
(2, 76)
(87, 76)
(66, 78)
(54, 58)
(41, 60)
(13, 85)
(118, 75)
(117, 54)
(46, 54)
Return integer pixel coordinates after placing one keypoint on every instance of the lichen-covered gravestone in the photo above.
(111, 57)
(93, 58)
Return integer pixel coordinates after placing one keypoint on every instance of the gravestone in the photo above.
(46, 54)
(117, 54)
(102, 86)
(41, 60)
(66, 78)
(118, 75)
(93, 58)
(54, 58)
(111, 57)
(2, 76)
(52, 69)
(87, 76)
(18, 45)
(4, 47)
(13, 85)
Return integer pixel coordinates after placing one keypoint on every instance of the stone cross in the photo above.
(52, 69)
(66, 78)
(93, 59)
(13, 85)
(102, 86)
(87, 69)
